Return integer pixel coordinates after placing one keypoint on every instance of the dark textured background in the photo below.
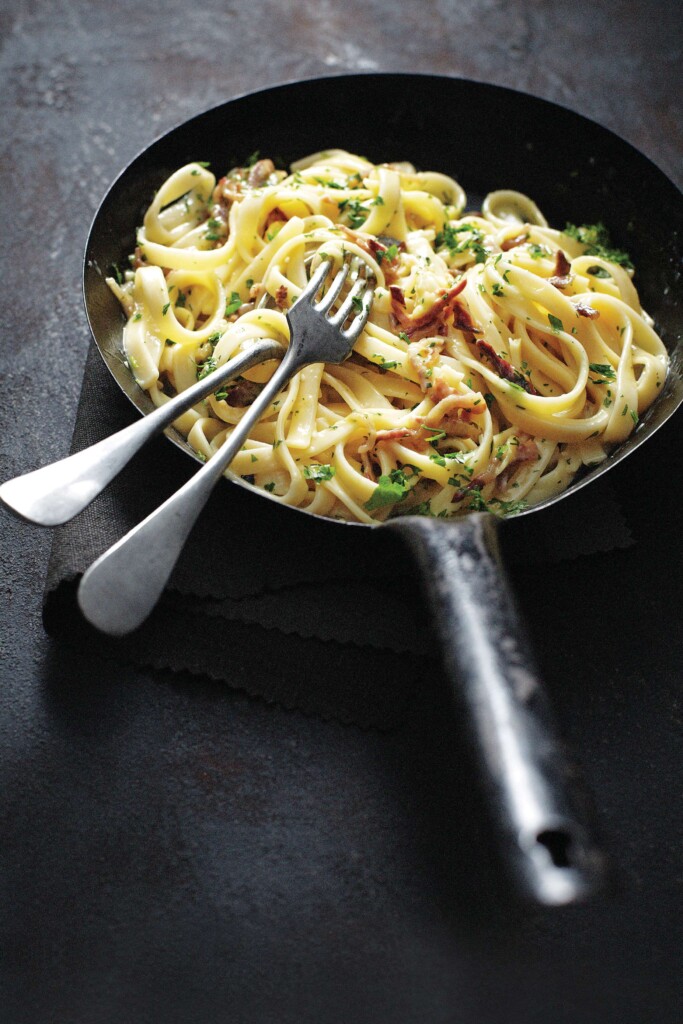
(173, 852)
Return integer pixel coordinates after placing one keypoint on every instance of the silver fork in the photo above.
(120, 589)
(56, 493)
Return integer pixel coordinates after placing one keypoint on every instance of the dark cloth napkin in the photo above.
(314, 615)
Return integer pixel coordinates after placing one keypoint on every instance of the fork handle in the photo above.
(120, 589)
(56, 493)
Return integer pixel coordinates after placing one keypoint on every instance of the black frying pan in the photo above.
(487, 138)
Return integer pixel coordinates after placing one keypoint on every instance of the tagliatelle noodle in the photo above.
(501, 355)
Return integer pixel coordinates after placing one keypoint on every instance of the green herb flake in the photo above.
(234, 304)
(319, 472)
(384, 364)
(388, 254)
(355, 211)
(604, 370)
(555, 323)
(597, 241)
(207, 367)
(391, 488)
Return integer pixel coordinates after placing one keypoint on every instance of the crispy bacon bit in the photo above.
(434, 321)
(584, 309)
(281, 295)
(243, 392)
(369, 243)
(440, 390)
(462, 320)
(276, 215)
(511, 243)
(393, 435)
(562, 277)
(410, 436)
(505, 369)
(260, 172)
(389, 265)
(525, 451)
(139, 259)
(227, 190)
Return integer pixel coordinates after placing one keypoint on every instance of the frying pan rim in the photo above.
(614, 457)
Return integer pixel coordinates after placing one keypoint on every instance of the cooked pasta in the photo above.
(501, 355)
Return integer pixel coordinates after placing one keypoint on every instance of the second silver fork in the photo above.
(120, 589)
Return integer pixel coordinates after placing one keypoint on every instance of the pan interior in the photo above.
(485, 136)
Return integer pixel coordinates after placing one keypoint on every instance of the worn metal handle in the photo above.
(120, 589)
(497, 687)
(56, 493)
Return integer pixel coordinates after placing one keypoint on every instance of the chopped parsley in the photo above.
(355, 211)
(207, 367)
(598, 243)
(234, 304)
(448, 238)
(384, 364)
(555, 323)
(387, 254)
(477, 503)
(391, 488)
(319, 472)
(605, 371)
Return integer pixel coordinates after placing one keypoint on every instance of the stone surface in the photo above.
(172, 852)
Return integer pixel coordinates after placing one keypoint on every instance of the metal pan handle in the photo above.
(497, 688)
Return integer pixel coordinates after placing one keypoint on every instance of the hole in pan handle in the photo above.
(532, 790)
